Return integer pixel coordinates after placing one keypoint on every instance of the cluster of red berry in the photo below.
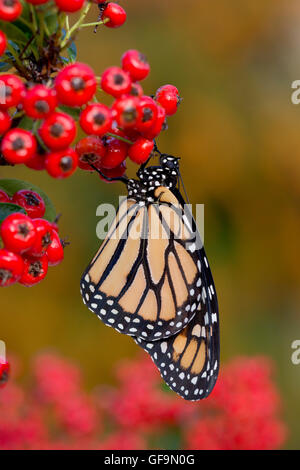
(130, 125)
(127, 128)
(31, 243)
(114, 14)
(243, 412)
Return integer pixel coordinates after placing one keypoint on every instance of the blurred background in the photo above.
(237, 133)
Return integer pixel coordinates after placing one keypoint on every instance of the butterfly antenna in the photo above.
(181, 180)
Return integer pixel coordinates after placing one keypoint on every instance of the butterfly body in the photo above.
(150, 279)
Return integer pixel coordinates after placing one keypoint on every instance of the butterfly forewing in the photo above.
(143, 279)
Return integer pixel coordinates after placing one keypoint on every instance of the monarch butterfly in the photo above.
(159, 289)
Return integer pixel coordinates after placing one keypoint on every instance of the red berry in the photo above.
(12, 92)
(18, 232)
(116, 152)
(18, 146)
(40, 101)
(5, 122)
(125, 111)
(115, 14)
(10, 10)
(11, 267)
(69, 5)
(3, 42)
(44, 235)
(58, 131)
(135, 63)
(31, 201)
(37, 162)
(115, 82)
(90, 150)
(136, 89)
(140, 151)
(4, 371)
(96, 119)
(114, 172)
(75, 84)
(35, 270)
(147, 113)
(158, 126)
(61, 164)
(4, 197)
(168, 97)
(55, 251)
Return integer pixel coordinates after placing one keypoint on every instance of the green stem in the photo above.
(96, 23)
(119, 138)
(76, 25)
(33, 15)
(15, 55)
(45, 27)
(41, 28)
(29, 25)
(40, 141)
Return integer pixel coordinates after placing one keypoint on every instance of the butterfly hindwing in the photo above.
(189, 361)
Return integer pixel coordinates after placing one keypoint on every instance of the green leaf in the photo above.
(7, 208)
(13, 31)
(73, 112)
(26, 123)
(51, 22)
(10, 186)
(4, 67)
(72, 52)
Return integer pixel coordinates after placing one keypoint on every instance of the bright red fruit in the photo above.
(31, 201)
(116, 172)
(40, 101)
(35, 270)
(4, 371)
(18, 146)
(136, 89)
(43, 238)
(5, 122)
(14, 90)
(146, 113)
(136, 64)
(37, 162)
(58, 131)
(116, 152)
(115, 82)
(125, 111)
(158, 126)
(69, 5)
(115, 14)
(11, 267)
(10, 10)
(168, 97)
(55, 251)
(90, 150)
(75, 84)
(140, 151)
(61, 164)
(4, 197)
(3, 42)
(96, 119)
(18, 232)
